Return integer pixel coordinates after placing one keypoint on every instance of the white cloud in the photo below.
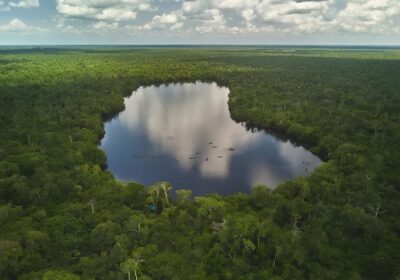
(25, 4)
(72, 10)
(112, 10)
(248, 14)
(236, 4)
(173, 20)
(193, 7)
(15, 25)
(116, 14)
(369, 16)
(104, 26)
(297, 16)
(258, 15)
(239, 16)
(3, 7)
(167, 18)
(214, 21)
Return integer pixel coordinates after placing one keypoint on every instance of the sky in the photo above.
(308, 22)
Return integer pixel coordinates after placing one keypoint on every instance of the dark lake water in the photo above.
(183, 133)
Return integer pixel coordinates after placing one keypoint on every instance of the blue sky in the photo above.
(359, 22)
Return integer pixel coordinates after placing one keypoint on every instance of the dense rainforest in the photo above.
(64, 216)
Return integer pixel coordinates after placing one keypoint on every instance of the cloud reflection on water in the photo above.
(181, 120)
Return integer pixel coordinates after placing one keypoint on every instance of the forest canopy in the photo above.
(64, 216)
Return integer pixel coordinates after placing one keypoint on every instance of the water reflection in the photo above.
(183, 133)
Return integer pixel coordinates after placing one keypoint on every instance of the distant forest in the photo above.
(64, 216)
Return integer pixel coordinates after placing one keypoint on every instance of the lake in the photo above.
(184, 134)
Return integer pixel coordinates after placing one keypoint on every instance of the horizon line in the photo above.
(208, 44)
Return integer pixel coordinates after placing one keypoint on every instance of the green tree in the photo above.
(132, 265)
(59, 275)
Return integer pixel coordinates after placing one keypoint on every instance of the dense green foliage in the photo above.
(63, 216)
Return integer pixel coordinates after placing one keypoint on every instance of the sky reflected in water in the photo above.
(183, 133)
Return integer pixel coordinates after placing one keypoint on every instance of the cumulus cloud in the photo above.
(115, 14)
(212, 21)
(25, 4)
(236, 4)
(238, 16)
(375, 16)
(297, 16)
(262, 15)
(15, 25)
(113, 10)
(105, 26)
(173, 20)
(193, 7)
(248, 15)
